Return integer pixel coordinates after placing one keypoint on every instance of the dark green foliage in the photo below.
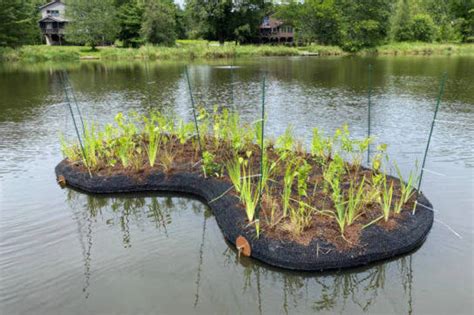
(463, 11)
(439, 11)
(93, 22)
(159, 25)
(315, 20)
(226, 19)
(130, 17)
(212, 18)
(365, 23)
(18, 23)
(423, 28)
(353, 25)
(407, 27)
(180, 19)
(403, 22)
(350, 24)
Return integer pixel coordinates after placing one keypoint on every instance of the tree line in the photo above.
(350, 24)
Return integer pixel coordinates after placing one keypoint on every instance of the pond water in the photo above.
(64, 252)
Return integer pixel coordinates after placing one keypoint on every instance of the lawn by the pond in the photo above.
(199, 49)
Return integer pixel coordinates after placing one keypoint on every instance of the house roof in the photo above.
(270, 22)
(48, 4)
(53, 19)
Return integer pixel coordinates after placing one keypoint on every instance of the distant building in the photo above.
(275, 31)
(53, 22)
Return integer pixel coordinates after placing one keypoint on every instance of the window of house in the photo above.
(52, 12)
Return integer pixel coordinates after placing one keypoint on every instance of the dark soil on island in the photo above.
(185, 158)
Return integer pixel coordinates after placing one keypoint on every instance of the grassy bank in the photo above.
(189, 50)
(419, 48)
(186, 50)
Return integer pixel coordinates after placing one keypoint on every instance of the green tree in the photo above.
(159, 24)
(130, 16)
(423, 28)
(213, 19)
(92, 22)
(18, 23)
(439, 11)
(180, 19)
(226, 19)
(366, 23)
(403, 22)
(463, 13)
(320, 22)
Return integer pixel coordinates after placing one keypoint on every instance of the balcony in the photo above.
(50, 31)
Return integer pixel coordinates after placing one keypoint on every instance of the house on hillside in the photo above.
(275, 31)
(53, 22)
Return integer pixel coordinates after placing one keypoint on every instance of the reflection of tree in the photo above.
(122, 210)
(207, 215)
(155, 214)
(362, 288)
(336, 289)
(119, 211)
(406, 273)
(201, 256)
(80, 217)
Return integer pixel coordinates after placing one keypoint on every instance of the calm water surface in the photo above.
(64, 252)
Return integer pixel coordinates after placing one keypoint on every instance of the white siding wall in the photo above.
(55, 6)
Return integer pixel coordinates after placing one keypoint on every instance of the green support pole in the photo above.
(262, 149)
(148, 83)
(369, 109)
(194, 110)
(63, 83)
(232, 84)
(66, 81)
(438, 101)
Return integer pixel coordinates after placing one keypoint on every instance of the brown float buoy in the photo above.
(243, 246)
(61, 181)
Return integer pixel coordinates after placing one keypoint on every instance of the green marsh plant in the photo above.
(407, 188)
(288, 180)
(209, 166)
(355, 201)
(385, 199)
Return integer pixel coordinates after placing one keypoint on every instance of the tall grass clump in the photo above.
(153, 135)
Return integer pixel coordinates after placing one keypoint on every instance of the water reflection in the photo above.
(330, 292)
(335, 290)
(118, 211)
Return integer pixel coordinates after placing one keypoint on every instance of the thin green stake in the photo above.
(262, 149)
(68, 101)
(369, 109)
(67, 86)
(66, 81)
(438, 101)
(148, 83)
(194, 109)
(232, 85)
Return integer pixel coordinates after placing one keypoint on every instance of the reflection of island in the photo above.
(325, 292)
(121, 211)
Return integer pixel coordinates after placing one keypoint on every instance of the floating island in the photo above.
(276, 200)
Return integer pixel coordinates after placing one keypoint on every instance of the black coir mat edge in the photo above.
(376, 243)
